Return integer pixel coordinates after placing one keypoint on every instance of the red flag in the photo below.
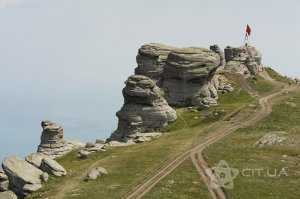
(248, 30)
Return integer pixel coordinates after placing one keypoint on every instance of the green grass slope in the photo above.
(128, 166)
(239, 151)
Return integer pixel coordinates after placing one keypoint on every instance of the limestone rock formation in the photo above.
(184, 74)
(8, 195)
(187, 76)
(23, 177)
(35, 159)
(144, 109)
(4, 183)
(244, 60)
(151, 60)
(52, 141)
(52, 167)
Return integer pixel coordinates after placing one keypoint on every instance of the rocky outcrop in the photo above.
(8, 195)
(23, 177)
(220, 52)
(245, 60)
(52, 167)
(144, 109)
(151, 60)
(35, 159)
(52, 141)
(187, 76)
(184, 74)
(4, 183)
(91, 147)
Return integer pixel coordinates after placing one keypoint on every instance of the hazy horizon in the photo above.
(67, 60)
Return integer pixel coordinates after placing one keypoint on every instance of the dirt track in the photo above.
(195, 153)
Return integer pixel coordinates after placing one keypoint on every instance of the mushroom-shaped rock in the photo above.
(52, 167)
(187, 75)
(245, 60)
(151, 60)
(8, 195)
(144, 110)
(24, 178)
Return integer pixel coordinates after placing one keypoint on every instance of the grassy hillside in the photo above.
(128, 166)
(239, 151)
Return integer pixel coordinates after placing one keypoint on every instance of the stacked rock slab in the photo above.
(24, 178)
(151, 60)
(187, 76)
(52, 141)
(4, 183)
(144, 109)
(245, 60)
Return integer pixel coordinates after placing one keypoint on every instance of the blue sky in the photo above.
(67, 60)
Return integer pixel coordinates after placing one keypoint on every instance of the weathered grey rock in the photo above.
(4, 185)
(114, 143)
(271, 138)
(35, 159)
(144, 110)
(95, 173)
(23, 177)
(151, 60)
(102, 171)
(187, 76)
(89, 145)
(3, 176)
(220, 52)
(45, 177)
(142, 139)
(8, 195)
(83, 154)
(95, 148)
(52, 141)
(52, 167)
(221, 84)
(100, 141)
(245, 60)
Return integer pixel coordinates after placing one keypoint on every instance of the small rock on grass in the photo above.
(95, 173)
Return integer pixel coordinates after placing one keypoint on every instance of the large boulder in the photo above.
(52, 167)
(184, 74)
(35, 159)
(151, 60)
(52, 141)
(8, 195)
(23, 177)
(144, 110)
(4, 183)
(245, 60)
(187, 76)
